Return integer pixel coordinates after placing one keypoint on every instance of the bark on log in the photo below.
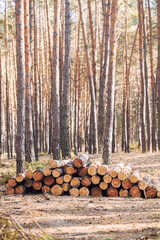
(38, 175)
(75, 182)
(103, 185)
(57, 172)
(74, 192)
(86, 181)
(12, 182)
(20, 189)
(102, 170)
(112, 192)
(123, 193)
(97, 162)
(116, 183)
(57, 190)
(96, 192)
(37, 185)
(81, 161)
(135, 192)
(84, 192)
(67, 178)
(29, 174)
(49, 181)
(59, 163)
(107, 178)
(95, 179)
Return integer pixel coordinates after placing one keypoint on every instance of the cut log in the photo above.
(156, 183)
(81, 161)
(142, 184)
(12, 182)
(57, 190)
(20, 177)
(49, 181)
(126, 184)
(107, 178)
(74, 192)
(57, 172)
(9, 191)
(47, 172)
(67, 178)
(59, 163)
(96, 192)
(29, 174)
(37, 185)
(112, 192)
(70, 170)
(103, 185)
(116, 183)
(123, 193)
(86, 181)
(20, 189)
(124, 173)
(92, 170)
(84, 192)
(102, 170)
(95, 179)
(150, 192)
(66, 187)
(135, 191)
(134, 178)
(60, 180)
(83, 171)
(97, 162)
(46, 189)
(75, 182)
(7, 185)
(38, 175)
(28, 183)
(114, 172)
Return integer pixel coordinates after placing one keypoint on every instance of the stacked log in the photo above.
(83, 177)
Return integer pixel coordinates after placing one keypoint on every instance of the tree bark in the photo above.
(0, 103)
(66, 83)
(111, 85)
(20, 136)
(28, 106)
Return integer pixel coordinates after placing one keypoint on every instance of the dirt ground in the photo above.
(104, 218)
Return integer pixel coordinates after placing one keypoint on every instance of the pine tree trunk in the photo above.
(152, 81)
(28, 106)
(90, 78)
(111, 85)
(66, 84)
(158, 70)
(103, 79)
(148, 117)
(142, 103)
(20, 135)
(0, 103)
(55, 84)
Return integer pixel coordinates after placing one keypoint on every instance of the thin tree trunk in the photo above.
(142, 108)
(92, 89)
(148, 117)
(20, 135)
(0, 103)
(28, 106)
(152, 81)
(103, 80)
(158, 70)
(55, 84)
(111, 85)
(66, 84)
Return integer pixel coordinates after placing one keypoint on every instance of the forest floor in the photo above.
(104, 218)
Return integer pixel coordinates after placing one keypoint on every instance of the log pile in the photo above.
(83, 177)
